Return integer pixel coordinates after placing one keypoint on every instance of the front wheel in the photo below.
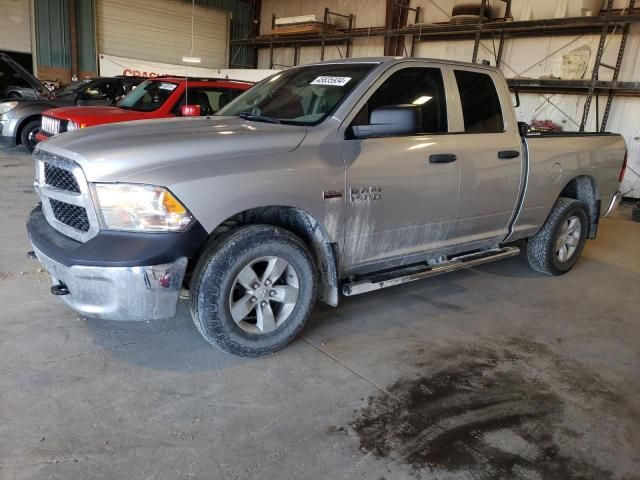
(253, 290)
(28, 134)
(555, 248)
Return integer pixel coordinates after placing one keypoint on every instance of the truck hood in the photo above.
(114, 152)
(98, 115)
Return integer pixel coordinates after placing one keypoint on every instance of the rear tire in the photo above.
(555, 249)
(28, 134)
(253, 290)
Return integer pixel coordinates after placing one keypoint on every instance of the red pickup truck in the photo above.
(161, 97)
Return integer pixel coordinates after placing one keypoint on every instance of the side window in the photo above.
(210, 99)
(418, 86)
(97, 90)
(480, 103)
(119, 90)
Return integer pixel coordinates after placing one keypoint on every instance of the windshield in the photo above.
(74, 87)
(148, 96)
(301, 96)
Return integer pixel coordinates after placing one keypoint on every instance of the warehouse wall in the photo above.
(15, 25)
(367, 13)
(53, 51)
(160, 31)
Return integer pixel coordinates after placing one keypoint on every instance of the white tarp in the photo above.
(111, 65)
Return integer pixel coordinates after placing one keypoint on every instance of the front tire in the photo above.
(253, 290)
(555, 248)
(28, 134)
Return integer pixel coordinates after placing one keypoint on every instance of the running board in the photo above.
(376, 281)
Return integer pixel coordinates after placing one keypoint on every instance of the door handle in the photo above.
(507, 154)
(442, 158)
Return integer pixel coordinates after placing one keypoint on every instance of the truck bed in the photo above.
(553, 159)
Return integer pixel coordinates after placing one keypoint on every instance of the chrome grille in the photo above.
(53, 126)
(64, 191)
(72, 215)
(60, 178)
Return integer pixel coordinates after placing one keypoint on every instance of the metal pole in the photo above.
(415, 39)
(500, 48)
(476, 44)
(596, 67)
(349, 41)
(616, 70)
(73, 38)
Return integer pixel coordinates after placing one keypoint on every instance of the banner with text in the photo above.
(110, 65)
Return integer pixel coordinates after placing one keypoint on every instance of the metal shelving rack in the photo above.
(293, 40)
(607, 23)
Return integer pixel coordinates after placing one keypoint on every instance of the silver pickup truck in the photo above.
(339, 177)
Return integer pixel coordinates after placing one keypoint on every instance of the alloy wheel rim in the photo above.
(569, 238)
(32, 138)
(264, 294)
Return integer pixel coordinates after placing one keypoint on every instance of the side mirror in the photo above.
(390, 120)
(190, 110)
(523, 128)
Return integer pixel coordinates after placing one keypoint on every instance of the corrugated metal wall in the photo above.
(53, 54)
(52, 33)
(15, 25)
(160, 31)
(86, 33)
(242, 15)
(53, 48)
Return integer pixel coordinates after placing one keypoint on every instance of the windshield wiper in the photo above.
(258, 118)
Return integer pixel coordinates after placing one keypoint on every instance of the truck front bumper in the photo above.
(613, 204)
(119, 293)
(116, 275)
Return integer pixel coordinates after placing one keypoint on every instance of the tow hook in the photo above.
(60, 289)
(31, 255)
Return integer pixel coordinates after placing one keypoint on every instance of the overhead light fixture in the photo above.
(421, 100)
(191, 59)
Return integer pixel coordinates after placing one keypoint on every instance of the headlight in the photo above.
(6, 106)
(72, 126)
(140, 208)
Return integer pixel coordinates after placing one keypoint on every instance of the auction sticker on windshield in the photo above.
(331, 81)
(167, 86)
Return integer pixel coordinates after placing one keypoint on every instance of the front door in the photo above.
(402, 191)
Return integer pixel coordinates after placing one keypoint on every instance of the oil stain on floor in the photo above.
(518, 411)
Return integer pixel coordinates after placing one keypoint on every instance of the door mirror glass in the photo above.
(190, 110)
(390, 120)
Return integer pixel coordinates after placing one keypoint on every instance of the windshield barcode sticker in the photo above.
(167, 86)
(331, 81)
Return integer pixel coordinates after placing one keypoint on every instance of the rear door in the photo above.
(491, 157)
(402, 198)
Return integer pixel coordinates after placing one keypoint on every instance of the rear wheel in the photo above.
(253, 290)
(555, 249)
(28, 134)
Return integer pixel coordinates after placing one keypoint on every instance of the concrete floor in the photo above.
(495, 372)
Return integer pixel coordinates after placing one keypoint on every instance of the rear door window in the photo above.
(480, 102)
